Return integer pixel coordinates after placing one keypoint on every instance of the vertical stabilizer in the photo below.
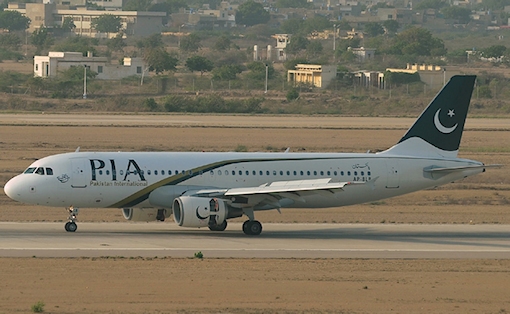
(439, 128)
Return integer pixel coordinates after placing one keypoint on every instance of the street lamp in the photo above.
(85, 81)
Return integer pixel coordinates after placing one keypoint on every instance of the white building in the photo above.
(55, 62)
(312, 74)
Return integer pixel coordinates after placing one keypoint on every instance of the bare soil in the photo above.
(119, 285)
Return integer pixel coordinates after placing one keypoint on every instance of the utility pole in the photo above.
(85, 81)
(266, 78)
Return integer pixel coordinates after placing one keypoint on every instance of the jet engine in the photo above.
(197, 212)
(145, 214)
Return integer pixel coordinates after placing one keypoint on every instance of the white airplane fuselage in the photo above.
(122, 179)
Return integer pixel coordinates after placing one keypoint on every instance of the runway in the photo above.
(276, 241)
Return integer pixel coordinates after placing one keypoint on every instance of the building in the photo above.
(363, 53)
(312, 74)
(55, 62)
(434, 76)
(49, 16)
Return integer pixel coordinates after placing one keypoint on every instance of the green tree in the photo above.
(78, 43)
(41, 39)
(391, 26)
(107, 23)
(151, 42)
(294, 4)
(495, 51)
(159, 60)
(296, 44)
(222, 43)
(68, 24)
(169, 6)
(199, 63)
(10, 41)
(191, 43)
(314, 48)
(137, 5)
(252, 13)
(316, 23)
(292, 94)
(116, 43)
(226, 72)
(430, 4)
(417, 41)
(461, 15)
(292, 25)
(373, 29)
(258, 70)
(13, 21)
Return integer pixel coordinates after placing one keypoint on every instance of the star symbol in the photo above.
(451, 113)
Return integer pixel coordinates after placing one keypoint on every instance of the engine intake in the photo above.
(197, 212)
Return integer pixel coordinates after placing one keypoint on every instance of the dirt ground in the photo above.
(119, 285)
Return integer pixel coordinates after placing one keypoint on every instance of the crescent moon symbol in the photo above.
(441, 128)
(198, 214)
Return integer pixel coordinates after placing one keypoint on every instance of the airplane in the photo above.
(205, 189)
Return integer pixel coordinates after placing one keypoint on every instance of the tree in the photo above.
(391, 26)
(495, 51)
(199, 63)
(169, 6)
(462, 15)
(11, 41)
(151, 42)
(68, 24)
(258, 70)
(373, 29)
(159, 60)
(137, 5)
(226, 72)
(116, 43)
(292, 25)
(294, 4)
(314, 48)
(41, 39)
(13, 21)
(252, 13)
(222, 43)
(191, 43)
(107, 23)
(317, 23)
(417, 41)
(430, 4)
(296, 44)
(78, 43)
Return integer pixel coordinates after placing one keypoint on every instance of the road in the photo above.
(276, 241)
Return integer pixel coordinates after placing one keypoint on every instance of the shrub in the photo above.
(38, 307)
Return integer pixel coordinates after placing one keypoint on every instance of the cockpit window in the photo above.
(40, 171)
(30, 170)
(49, 171)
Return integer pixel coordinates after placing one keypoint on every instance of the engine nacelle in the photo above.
(197, 212)
(145, 214)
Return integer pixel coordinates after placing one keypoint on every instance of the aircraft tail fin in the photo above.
(438, 130)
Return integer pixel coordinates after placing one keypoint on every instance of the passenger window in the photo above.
(108, 172)
(163, 172)
(322, 173)
(288, 173)
(335, 173)
(261, 172)
(219, 172)
(369, 173)
(329, 173)
(49, 171)
(315, 173)
(40, 171)
(295, 173)
(155, 172)
(281, 173)
(301, 172)
(308, 172)
(254, 172)
(233, 172)
(341, 173)
(267, 172)
(362, 173)
(348, 173)
(247, 172)
(274, 172)
(355, 173)
(29, 170)
(240, 173)
(100, 172)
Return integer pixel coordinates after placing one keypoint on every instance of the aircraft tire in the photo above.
(220, 227)
(252, 227)
(71, 226)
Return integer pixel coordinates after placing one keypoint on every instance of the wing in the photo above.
(268, 195)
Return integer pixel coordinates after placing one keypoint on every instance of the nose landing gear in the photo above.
(71, 226)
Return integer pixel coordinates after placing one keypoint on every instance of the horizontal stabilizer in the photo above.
(462, 168)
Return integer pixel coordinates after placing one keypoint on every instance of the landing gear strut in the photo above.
(71, 226)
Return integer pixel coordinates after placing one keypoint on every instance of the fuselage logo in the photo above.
(440, 127)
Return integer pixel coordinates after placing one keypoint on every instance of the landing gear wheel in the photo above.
(221, 227)
(252, 227)
(71, 226)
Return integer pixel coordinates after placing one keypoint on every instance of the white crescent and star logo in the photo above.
(440, 127)
(199, 216)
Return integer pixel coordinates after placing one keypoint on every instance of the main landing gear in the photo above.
(251, 226)
(71, 226)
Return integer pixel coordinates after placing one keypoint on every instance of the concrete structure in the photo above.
(369, 79)
(282, 40)
(312, 74)
(402, 15)
(363, 53)
(434, 76)
(55, 62)
(49, 16)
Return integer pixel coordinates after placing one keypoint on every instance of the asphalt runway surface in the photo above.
(276, 241)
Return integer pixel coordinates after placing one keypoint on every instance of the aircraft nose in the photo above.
(13, 189)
